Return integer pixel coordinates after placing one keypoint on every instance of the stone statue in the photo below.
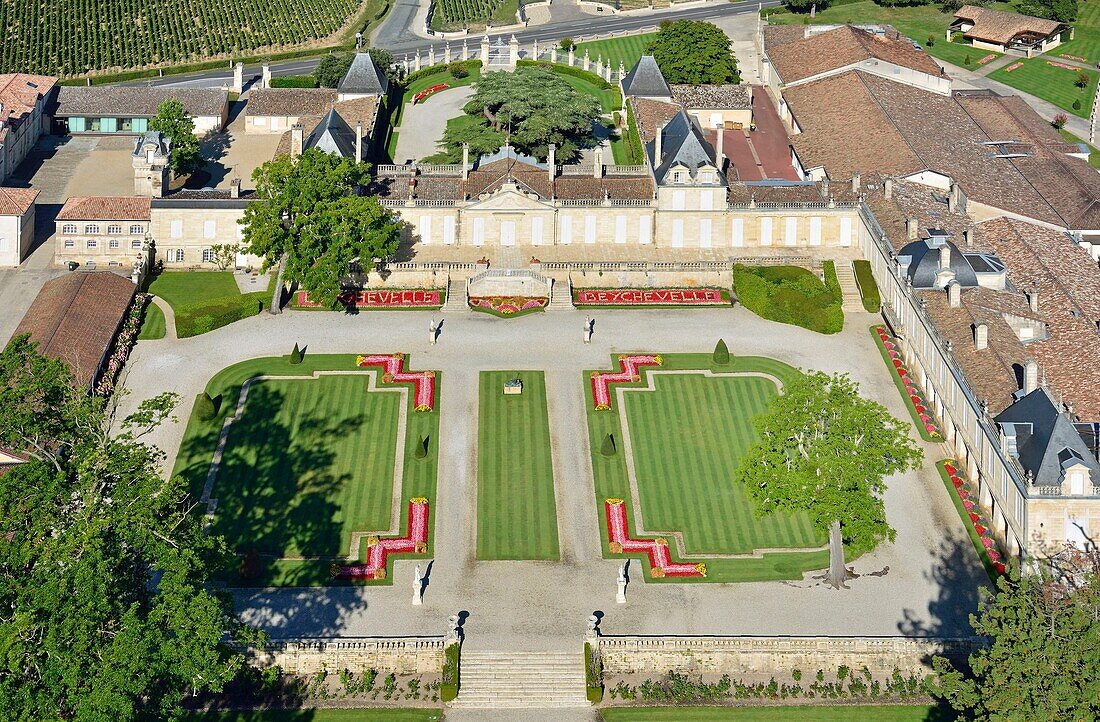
(620, 595)
(418, 587)
(433, 331)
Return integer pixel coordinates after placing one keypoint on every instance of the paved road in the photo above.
(933, 574)
(394, 35)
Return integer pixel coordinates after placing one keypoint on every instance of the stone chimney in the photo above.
(968, 237)
(1031, 376)
(945, 257)
(888, 188)
(855, 182)
(1033, 300)
(657, 155)
(466, 160)
(597, 163)
(911, 228)
(235, 188)
(358, 141)
(297, 140)
(981, 336)
(265, 77)
(551, 163)
(954, 294)
(825, 187)
(720, 150)
(955, 198)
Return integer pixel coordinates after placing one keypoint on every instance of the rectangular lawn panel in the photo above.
(516, 516)
(803, 713)
(1051, 83)
(687, 438)
(626, 49)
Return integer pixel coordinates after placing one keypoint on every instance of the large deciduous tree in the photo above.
(826, 450)
(106, 611)
(311, 222)
(694, 52)
(176, 124)
(1044, 648)
(533, 107)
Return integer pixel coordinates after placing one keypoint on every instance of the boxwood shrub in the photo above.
(449, 684)
(789, 294)
(868, 289)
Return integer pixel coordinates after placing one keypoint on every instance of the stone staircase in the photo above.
(849, 291)
(528, 680)
(456, 295)
(561, 298)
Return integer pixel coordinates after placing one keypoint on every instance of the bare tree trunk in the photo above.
(838, 573)
(277, 294)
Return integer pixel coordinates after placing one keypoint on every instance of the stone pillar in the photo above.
(599, 66)
(597, 163)
(553, 53)
(607, 72)
(465, 50)
(622, 70)
(238, 77)
(405, 62)
(416, 61)
(465, 161)
(431, 55)
(447, 53)
(535, 51)
(551, 162)
(358, 141)
(484, 52)
(513, 51)
(265, 78)
(572, 56)
(587, 61)
(235, 188)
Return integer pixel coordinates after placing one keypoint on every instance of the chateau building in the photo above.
(24, 117)
(127, 110)
(17, 213)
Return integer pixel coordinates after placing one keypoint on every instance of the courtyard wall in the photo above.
(399, 655)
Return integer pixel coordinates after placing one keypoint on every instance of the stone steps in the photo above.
(561, 297)
(849, 290)
(513, 680)
(456, 295)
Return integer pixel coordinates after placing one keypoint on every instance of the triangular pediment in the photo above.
(509, 199)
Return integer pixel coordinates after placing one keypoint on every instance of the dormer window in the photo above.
(679, 177)
(706, 177)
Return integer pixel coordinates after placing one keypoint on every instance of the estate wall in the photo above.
(651, 279)
(745, 657)
(400, 655)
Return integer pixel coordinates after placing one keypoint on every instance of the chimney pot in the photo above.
(954, 294)
(888, 188)
(1033, 300)
(235, 188)
(1031, 376)
(911, 228)
(981, 337)
(945, 257)
(657, 156)
(968, 237)
(855, 183)
(551, 162)
(296, 140)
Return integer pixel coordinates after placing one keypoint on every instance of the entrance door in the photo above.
(507, 233)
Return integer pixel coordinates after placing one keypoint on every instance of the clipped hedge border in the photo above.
(868, 289)
(452, 670)
(593, 675)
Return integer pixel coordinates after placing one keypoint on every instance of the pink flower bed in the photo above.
(398, 298)
(660, 563)
(1056, 64)
(651, 297)
(428, 92)
(393, 373)
(414, 542)
(986, 59)
(124, 343)
(974, 515)
(507, 305)
(1014, 66)
(1073, 57)
(602, 380)
(912, 391)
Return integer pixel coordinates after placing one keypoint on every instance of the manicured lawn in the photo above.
(626, 49)
(1038, 77)
(1086, 34)
(153, 325)
(319, 715)
(308, 463)
(205, 300)
(610, 98)
(847, 713)
(1094, 154)
(687, 437)
(515, 476)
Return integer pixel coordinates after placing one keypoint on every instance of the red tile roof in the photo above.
(19, 92)
(998, 26)
(844, 46)
(16, 201)
(105, 208)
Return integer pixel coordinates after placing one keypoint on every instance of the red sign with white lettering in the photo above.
(651, 297)
(397, 298)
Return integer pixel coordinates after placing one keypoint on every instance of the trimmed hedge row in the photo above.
(205, 317)
(294, 81)
(593, 675)
(470, 65)
(449, 684)
(559, 69)
(868, 289)
(789, 294)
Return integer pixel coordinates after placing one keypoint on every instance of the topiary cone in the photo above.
(721, 354)
(296, 355)
(608, 446)
(204, 407)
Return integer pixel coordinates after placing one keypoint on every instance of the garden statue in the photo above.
(620, 595)
(418, 587)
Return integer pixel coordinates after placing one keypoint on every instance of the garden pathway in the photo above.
(169, 317)
(933, 572)
(422, 125)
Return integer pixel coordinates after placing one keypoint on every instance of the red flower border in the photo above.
(914, 397)
(974, 516)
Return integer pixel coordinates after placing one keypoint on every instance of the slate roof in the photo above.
(16, 201)
(288, 102)
(682, 143)
(334, 130)
(840, 47)
(998, 26)
(645, 80)
(333, 135)
(136, 100)
(713, 97)
(105, 208)
(1046, 440)
(75, 318)
(364, 77)
(924, 264)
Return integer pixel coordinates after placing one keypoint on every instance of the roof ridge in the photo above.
(886, 114)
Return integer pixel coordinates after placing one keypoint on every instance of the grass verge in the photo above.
(205, 300)
(868, 289)
(802, 713)
(154, 325)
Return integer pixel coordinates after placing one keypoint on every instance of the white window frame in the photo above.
(589, 228)
(114, 229)
(210, 229)
(175, 228)
(565, 230)
(136, 229)
(208, 255)
(704, 233)
(765, 230)
(91, 228)
(620, 229)
(737, 232)
(68, 228)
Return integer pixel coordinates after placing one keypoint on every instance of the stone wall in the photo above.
(748, 657)
(400, 655)
(651, 279)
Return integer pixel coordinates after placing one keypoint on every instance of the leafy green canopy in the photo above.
(309, 210)
(530, 108)
(694, 52)
(175, 123)
(333, 67)
(106, 612)
(825, 450)
(1044, 634)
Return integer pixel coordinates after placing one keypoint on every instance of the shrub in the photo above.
(868, 289)
(251, 565)
(421, 450)
(205, 317)
(1077, 105)
(1060, 121)
(789, 294)
(295, 356)
(1082, 80)
(721, 355)
(608, 448)
(294, 81)
(966, 60)
(930, 41)
(449, 684)
(572, 72)
(593, 675)
(458, 70)
(204, 407)
(470, 66)
(567, 44)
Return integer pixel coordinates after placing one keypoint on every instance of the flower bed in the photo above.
(415, 541)
(980, 533)
(1073, 57)
(602, 380)
(1063, 66)
(423, 94)
(1014, 66)
(914, 397)
(986, 59)
(508, 305)
(124, 342)
(393, 373)
(660, 563)
(381, 299)
(652, 297)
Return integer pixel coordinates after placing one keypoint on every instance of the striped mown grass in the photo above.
(309, 462)
(687, 436)
(627, 49)
(516, 518)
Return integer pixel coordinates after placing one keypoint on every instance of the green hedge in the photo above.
(593, 674)
(470, 65)
(294, 81)
(789, 294)
(559, 69)
(205, 317)
(633, 138)
(868, 289)
(449, 684)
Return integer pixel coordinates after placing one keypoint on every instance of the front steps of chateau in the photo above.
(561, 296)
(849, 290)
(521, 680)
